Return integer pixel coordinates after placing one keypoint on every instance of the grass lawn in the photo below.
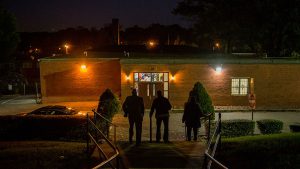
(277, 151)
(42, 154)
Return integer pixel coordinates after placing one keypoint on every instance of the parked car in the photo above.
(54, 110)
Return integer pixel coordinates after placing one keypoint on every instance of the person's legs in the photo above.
(166, 129)
(189, 133)
(195, 130)
(131, 123)
(138, 127)
(158, 124)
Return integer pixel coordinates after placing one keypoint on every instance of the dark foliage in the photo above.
(9, 38)
(269, 126)
(237, 127)
(203, 98)
(295, 127)
(262, 26)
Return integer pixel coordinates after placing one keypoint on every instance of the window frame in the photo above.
(239, 86)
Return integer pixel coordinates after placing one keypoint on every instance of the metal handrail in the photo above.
(185, 127)
(109, 122)
(217, 134)
(107, 160)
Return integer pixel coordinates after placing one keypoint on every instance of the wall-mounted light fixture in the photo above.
(172, 77)
(83, 68)
(127, 78)
(219, 69)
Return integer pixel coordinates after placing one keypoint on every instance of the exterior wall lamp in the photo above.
(219, 69)
(172, 78)
(83, 68)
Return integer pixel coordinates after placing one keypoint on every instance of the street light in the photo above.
(67, 47)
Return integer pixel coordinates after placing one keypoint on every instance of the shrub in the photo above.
(109, 104)
(203, 98)
(237, 127)
(295, 127)
(269, 126)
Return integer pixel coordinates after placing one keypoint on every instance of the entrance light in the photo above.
(172, 78)
(83, 68)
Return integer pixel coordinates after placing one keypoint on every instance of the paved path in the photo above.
(160, 155)
(176, 127)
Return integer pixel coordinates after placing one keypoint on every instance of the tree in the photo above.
(273, 25)
(109, 104)
(9, 38)
(203, 98)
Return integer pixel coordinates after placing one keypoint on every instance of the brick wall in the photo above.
(275, 85)
(63, 80)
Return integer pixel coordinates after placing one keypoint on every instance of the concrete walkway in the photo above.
(161, 155)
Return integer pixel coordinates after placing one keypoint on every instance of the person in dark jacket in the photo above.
(191, 117)
(161, 105)
(133, 107)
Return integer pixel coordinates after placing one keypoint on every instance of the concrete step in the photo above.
(161, 155)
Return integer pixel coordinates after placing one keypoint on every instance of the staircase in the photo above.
(161, 155)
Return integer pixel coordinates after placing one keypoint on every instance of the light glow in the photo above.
(83, 68)
(127, 78)
(218, 69)
(172, 78)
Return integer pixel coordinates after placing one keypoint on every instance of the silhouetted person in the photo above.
(161, 105)
(191, 117)
(133, 107)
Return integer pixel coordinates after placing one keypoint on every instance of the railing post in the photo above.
(118, 162)
(107, 128)
(208, 134)
(220, 128)
(87, 135)
(115, 134)
(150, 130)
(95, 121)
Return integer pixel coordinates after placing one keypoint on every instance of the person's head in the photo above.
(159, 94)
(134, 92)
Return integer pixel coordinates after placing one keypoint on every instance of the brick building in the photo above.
(275, 82)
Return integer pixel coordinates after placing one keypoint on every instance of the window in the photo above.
(152, 77)
(239, 86)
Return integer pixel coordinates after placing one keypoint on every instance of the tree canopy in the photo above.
(262, 25)
(9, 37)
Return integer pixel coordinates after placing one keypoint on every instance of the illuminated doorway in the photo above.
(148, 83)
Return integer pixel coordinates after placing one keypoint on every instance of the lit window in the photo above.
(239, 86)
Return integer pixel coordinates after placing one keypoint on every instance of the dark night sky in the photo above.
(52, 15)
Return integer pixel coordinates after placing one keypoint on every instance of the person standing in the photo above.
(133, 107)
(161, 105)
(191, 117)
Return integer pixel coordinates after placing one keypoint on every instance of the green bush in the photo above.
(269, 126)
(295, 127)
(237, 127)
(109, 104)
(203, 98)
(42, 127)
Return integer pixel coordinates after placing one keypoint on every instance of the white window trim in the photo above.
(248, 86)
